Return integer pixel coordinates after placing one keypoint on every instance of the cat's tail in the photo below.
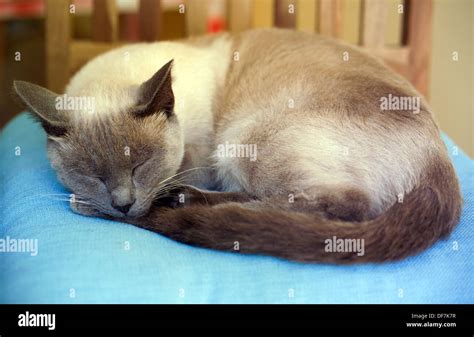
(427, 213)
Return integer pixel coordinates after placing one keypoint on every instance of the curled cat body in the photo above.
(167, 146)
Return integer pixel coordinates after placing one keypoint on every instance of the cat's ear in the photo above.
(156, 94)
(42, 105)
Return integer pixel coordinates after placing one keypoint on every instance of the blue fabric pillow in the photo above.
(88, 260)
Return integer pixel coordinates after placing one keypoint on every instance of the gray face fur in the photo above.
(114, 163)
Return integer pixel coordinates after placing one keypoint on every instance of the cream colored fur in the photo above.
(114, 77)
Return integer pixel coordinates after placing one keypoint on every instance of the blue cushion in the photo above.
(89, 260)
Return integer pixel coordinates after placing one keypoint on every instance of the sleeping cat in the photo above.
(174, 120)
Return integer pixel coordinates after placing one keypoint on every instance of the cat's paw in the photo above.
(179, 197)
(350, 205)
(175, 198)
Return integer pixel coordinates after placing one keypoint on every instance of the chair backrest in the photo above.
(65, 55)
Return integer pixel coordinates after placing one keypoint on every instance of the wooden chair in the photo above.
(411, 59)
(65, 55)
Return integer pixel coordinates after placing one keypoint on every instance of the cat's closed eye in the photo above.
(134, 169)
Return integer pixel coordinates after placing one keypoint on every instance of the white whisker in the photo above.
(185, 171)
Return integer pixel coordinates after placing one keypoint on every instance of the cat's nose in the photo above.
(122, 199)
(124, 209)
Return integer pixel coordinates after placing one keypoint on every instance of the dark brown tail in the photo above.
(428, 213)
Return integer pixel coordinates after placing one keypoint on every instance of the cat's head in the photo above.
(113, 162)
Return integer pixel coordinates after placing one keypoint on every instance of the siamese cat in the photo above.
(166, 147)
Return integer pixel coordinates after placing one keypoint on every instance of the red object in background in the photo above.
(215, 24)
(216, 10)
(21, 8)
(12, 9)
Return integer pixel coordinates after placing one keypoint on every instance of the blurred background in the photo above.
(439, 62)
